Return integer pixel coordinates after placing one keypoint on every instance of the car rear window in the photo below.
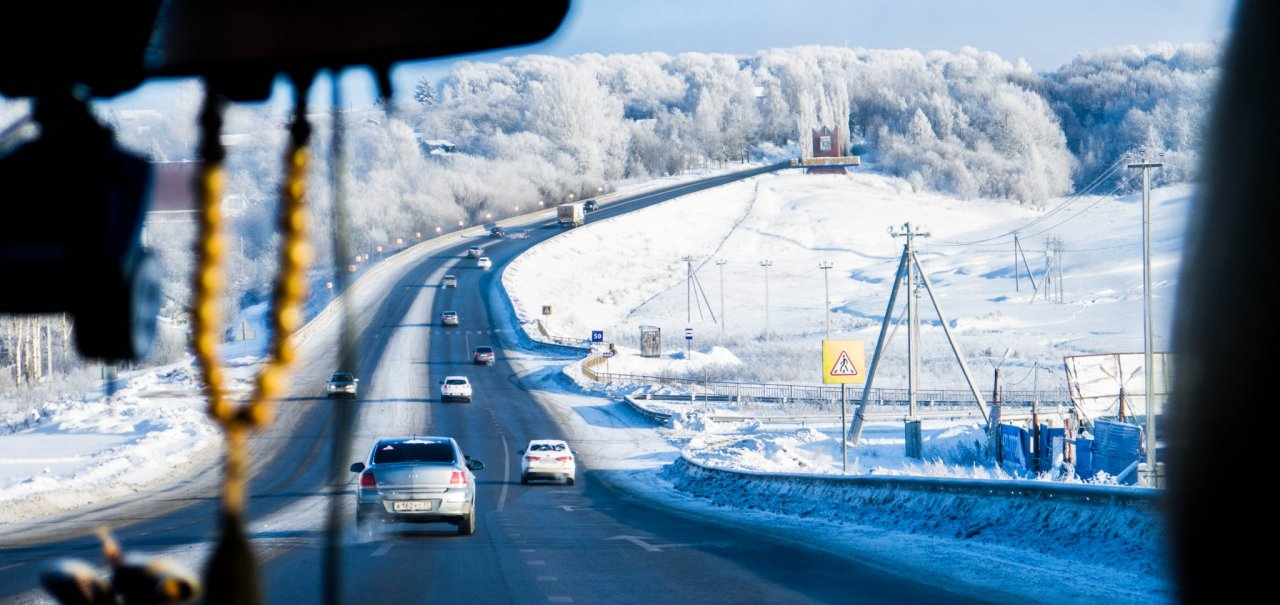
(414, 451)
(547, 447)
(455, 382)
(484, 350)
(339, 377)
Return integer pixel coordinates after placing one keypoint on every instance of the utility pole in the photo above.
(1153, 473)
(721, 263)
(826, 310)
(688, 289)
(913, 314)
(766, 264)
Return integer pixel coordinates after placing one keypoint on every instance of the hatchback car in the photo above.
(475, 252)
(449, 318)
(484, 263)
(547, 459)
(342, 384)
(455, 388)
(449, 281)
(591, 205)
(416, 480)
(484, 355)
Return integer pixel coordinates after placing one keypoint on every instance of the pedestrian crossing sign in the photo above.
(843, 362)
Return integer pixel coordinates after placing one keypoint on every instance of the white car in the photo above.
(483, 262)
(475, 252)
(547, 459)
(455, 388)
(449, 318)
(449, 281)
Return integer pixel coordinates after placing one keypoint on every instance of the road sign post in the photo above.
(688, 344)
(844, 362)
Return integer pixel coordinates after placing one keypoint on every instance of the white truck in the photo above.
(571, 215)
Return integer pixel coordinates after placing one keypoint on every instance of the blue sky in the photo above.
(1046, 34)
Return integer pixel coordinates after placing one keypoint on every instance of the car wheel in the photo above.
(467, 525)
(524, 479)
(568, 480)
(364, 526)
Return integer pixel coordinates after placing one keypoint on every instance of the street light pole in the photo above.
(826, 310)
(688, 290)
(721, 263)
(766, 264)
(1153, 475)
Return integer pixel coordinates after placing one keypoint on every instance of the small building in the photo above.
(828, 144)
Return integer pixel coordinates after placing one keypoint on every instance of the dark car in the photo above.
(484, 356)
(590, 205)
(497, 232)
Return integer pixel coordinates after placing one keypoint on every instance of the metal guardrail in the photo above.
(577, 343)
(828, 394)
(1100, 495)
(899, 412)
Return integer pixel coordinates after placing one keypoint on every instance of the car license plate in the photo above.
(411, 506)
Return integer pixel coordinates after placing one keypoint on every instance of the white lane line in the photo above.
(560, 599)
(528, 550)
(506, 472)
(382, 550)
(547, 578)
(537, 562)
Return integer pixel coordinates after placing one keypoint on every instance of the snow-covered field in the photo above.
(633, 275)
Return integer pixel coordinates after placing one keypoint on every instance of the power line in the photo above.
(1052, 211)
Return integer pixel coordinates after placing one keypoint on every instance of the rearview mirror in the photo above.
(357, 467)
(475, 465)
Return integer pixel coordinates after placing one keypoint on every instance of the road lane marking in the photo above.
(528, 550)
(560, 599)
(537, 562)
(642, 543)
(547, 578)
(506, 472)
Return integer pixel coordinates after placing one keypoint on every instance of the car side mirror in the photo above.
(475, 465)
(357, 467)
(521, 452)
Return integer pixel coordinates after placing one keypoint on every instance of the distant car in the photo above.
(342, 384)
(449, 318)
(484, 355)
(523, 234)
(475, 251)
(547, 459)
(449, 281)
(483, 262)
(497, 232)
(591, 205)
(455, 388)
(416, 480)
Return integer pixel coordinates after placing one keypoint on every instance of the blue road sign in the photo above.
(597, 336)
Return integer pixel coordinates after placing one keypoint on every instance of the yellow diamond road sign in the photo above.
(843, 362)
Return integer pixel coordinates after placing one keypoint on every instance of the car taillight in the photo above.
(368, 481)
(532, 458)
(458, 478)
(564, 459)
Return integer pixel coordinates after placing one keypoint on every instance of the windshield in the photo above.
(916, 242)
(414, 452)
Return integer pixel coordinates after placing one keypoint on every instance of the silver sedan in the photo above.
(416, 480)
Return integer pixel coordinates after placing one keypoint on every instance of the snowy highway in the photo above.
(591, 542)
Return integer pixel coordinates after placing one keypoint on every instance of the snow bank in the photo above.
(1131, 529)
